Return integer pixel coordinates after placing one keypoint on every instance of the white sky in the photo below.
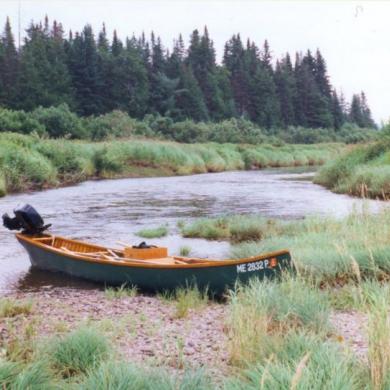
(353, 36)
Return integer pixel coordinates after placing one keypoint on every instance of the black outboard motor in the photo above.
(26, 219)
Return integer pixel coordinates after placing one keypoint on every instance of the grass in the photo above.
(237, 228)
(120, 375)
(34, 376)
(78, 352)
(120, 292)
(362, 171)
(379, 343)
(305, 362)
(263, 311)
(185, 250)
(29, 162)
(12, 307)
(186, 299)
(325, 250)
(158, 232)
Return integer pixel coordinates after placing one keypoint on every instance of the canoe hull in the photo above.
(215, 278)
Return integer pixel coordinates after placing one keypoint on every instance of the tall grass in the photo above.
(262, 312)
(329, 250)
(362, 171)
(29, 162)
(78, 352)
(379, 343)
(305, 362)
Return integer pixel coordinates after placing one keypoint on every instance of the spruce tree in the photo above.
(9, 68)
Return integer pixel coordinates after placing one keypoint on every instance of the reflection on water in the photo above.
(114, 210)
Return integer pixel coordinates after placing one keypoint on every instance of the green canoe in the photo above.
(115, 267)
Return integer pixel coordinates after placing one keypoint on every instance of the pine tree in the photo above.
(201, 58)
(83, 67)
(9, 68)
(286, 90)
(233, 60)
(189, 103)
(44, 76)
(337, 111)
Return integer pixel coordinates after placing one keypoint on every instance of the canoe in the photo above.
(115, 267)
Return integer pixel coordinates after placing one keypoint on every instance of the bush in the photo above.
(60, 122)
(20, 122)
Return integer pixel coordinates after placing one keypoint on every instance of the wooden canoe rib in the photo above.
(111, 266)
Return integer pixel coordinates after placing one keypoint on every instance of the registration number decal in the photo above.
(257, 265)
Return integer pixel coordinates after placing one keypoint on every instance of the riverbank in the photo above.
(30, 163)
(325, 327)
(290, 332)
(364, 171)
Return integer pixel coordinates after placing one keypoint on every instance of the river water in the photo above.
(109, 211)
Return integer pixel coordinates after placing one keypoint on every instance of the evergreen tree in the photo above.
(9, 68)
(286, 90)
(44, 76)
(201, 58)
(337, 111)
(189, 103)
(84, 70)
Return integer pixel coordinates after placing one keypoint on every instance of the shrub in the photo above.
(60, 121)
(20, 122)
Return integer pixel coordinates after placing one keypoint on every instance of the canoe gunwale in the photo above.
(205, 263)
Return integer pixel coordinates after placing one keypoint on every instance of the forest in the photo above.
(90, 76)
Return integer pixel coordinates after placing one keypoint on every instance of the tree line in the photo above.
(96, 75)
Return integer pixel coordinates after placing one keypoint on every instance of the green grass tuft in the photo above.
(161, 231)
(78, 352)
(189, 298)
(12, 307)
(120, 292)
(185, 250)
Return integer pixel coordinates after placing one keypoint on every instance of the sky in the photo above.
(353, 36)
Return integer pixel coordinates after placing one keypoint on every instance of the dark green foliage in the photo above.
(140, 77)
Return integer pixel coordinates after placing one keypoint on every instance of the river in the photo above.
(108, 211)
